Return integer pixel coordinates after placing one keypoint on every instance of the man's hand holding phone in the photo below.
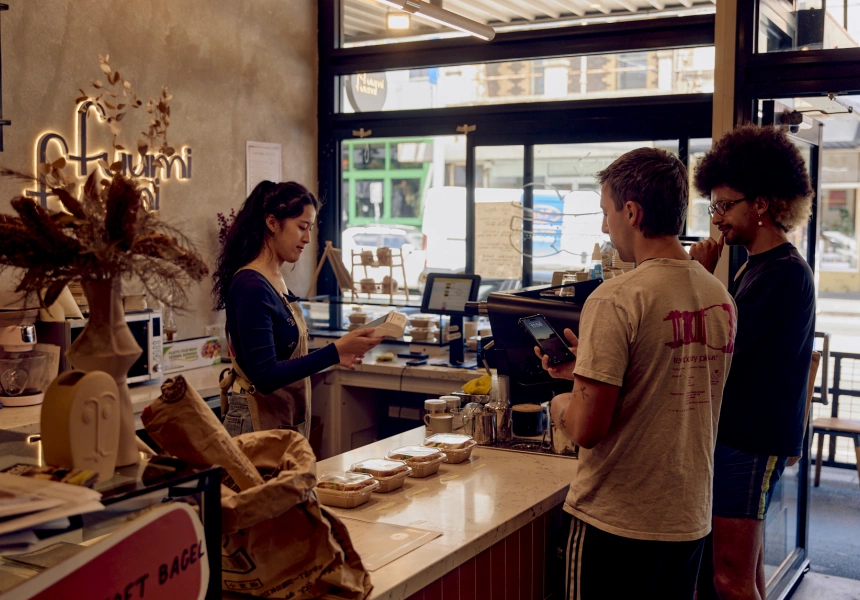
(564, 370)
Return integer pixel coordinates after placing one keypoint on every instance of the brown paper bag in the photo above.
(182, 423)
(279, 542)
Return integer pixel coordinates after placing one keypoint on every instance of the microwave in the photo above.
(145, 326)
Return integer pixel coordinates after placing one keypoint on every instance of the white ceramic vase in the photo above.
(107, 344)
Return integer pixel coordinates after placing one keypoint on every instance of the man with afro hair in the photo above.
(760, 190)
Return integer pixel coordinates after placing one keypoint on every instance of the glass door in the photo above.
(787, 524)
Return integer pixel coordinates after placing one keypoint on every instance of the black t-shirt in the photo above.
(764, 401)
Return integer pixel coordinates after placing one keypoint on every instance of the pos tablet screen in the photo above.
(447, 294)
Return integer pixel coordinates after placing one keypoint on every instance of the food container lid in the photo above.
(348, 482)
(380, 467)
(419, 453)
(423, 317)
(448, 440)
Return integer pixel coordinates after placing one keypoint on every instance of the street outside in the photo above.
(839, 315)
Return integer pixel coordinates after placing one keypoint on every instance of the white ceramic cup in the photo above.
(440, 423)
(435, 405)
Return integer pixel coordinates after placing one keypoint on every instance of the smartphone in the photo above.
(416, 362)
(547, 339)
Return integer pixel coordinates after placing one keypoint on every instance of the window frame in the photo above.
(529, 120)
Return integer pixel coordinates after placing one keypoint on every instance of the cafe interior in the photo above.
(454, 146)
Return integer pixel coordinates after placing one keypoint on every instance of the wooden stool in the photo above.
(831, 426)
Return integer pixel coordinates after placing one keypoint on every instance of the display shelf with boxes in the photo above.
(329, 316)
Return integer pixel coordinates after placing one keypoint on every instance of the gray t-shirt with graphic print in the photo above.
(664, 333)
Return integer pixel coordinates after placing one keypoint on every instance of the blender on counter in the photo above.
(24, 372)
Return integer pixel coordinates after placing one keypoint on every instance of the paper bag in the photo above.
(182, 423)
(279, 542)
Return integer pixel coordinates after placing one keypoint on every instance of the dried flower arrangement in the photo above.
(105, 231)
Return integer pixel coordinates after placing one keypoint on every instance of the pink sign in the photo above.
(160, 555)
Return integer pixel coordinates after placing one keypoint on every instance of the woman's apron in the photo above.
(286, 408)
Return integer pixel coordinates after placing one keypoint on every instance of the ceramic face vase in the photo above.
(107, 344)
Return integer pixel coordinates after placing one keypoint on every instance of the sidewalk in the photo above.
(815, 586)
(839, 305)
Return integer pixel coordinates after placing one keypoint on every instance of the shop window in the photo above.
(808, 25)
(387, 207)
(667, 72)
(344, 157)
(368, 198)
(405, 198)
(698, 219)
(839, 230)
(345, 200)
(411, 155)
(633, 71)
(368, 157)
(388, 178)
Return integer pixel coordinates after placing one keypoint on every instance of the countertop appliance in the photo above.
(512, 352)
(145, 325)
(24, 373)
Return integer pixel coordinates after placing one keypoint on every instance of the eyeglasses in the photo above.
(721, 207)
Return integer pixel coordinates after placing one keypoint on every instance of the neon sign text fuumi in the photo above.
(179, 165)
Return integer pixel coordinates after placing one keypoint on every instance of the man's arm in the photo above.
(586, 413)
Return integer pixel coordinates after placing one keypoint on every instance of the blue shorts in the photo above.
(744, 482)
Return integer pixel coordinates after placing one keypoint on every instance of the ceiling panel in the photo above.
(364, 20)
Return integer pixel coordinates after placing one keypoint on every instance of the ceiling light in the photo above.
(398, 20)
(594, 5)
(424, 10)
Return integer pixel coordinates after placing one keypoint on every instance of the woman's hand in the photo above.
(352, 347)
(564, 370)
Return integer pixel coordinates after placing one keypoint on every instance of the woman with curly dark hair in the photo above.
(760, 191)
(265, 326)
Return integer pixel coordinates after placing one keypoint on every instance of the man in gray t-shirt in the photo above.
(654, 349)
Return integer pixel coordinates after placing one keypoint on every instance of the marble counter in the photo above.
(382, 375)
(474, 505)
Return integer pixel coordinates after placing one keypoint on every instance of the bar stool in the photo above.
(839, 427)
(810, 389)
(831, 425)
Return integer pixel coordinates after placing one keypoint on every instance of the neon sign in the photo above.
(179, 165)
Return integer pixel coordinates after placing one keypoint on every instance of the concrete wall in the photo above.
(239, 70)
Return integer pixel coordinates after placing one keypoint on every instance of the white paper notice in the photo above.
(262, 162)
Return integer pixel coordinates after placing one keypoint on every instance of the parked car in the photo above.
(409, 240)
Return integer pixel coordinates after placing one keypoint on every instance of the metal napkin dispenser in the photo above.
(512, 353)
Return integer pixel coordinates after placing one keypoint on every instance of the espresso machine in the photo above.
(511, 352)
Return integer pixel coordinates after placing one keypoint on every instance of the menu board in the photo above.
(498, 240)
